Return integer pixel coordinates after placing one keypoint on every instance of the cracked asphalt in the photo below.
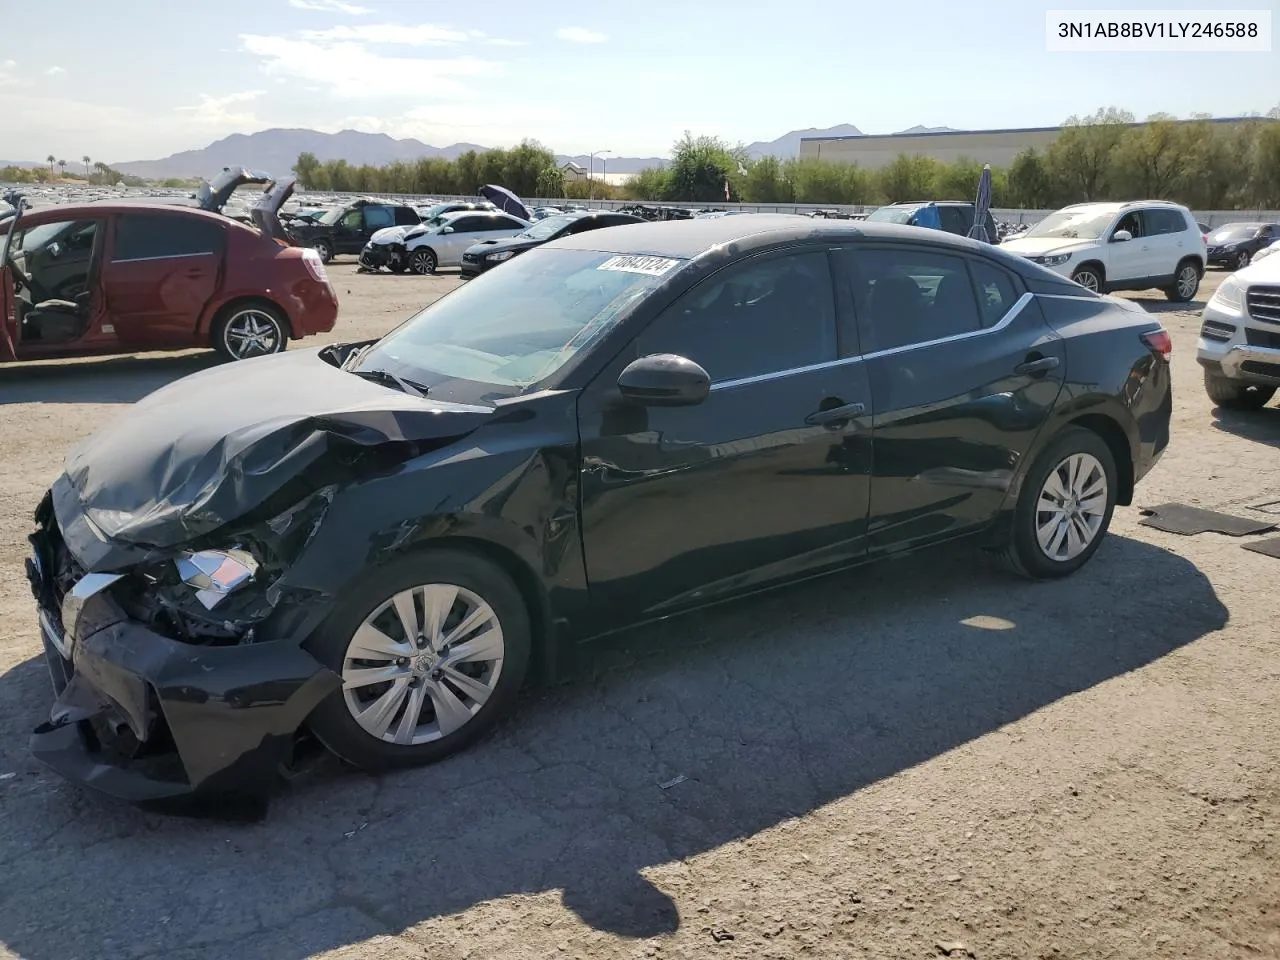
(919, 758)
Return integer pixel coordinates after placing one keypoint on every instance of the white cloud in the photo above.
(54, 71)
(500, 42)
(347, 68)
(8, 73)
(331, 6)
(580, 35)
(423, 35)
(216, 112)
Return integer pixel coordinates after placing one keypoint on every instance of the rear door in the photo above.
(376, 217)
(963, 372)
(956, 220)
(161, 271)
(467, 230)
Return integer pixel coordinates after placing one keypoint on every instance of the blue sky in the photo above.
(144, 78)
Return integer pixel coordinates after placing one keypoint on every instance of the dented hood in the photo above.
(211, 447)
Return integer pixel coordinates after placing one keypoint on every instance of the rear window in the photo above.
(151, 236)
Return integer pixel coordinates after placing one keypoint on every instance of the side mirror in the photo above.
(664, 380)
(444, 230)
(1120, 236)
(54, 250)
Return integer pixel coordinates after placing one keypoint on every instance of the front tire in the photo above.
(433, 650)
(323, 248)
(1089, 277)
(1235, 394)
(423, 262)
(1241, 260)
(1064, 508)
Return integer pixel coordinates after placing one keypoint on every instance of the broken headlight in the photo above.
(216, 573)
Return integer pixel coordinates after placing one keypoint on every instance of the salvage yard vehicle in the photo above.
(346, 229)
(1239, 346)
(955, 216)
(377, 541)
(99, 278)
(1234, 245)
(1140, 245)
(489, 253)
(438, 242)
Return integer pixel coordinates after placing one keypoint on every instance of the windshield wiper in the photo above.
(400, 383)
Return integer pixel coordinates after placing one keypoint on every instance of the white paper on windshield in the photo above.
(649, 266)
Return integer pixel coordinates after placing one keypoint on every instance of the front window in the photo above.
(512, 329)
(1072, 225)
(548, 228)
(1234, 232)
(330, 217)
(892, 215)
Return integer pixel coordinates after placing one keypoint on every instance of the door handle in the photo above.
(1037, 366)
(833, 415)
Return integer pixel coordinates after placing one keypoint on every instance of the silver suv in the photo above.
(1240, 338)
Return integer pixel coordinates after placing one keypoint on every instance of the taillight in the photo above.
(1159, 341)
(315, 265)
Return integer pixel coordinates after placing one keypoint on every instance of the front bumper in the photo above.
(143, 717)
(376, 255)
(472, 266)
(1240, 347)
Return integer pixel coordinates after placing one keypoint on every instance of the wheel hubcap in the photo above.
(1088, 281)
(252, 334)
(1242, 261)
(1187, 281)
(423, 664)
(1072, 504)
(423, 262)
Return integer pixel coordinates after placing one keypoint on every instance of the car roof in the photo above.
(100, 208)
(1114, 206)
(687, 239)
(937, 203)
(457, 214)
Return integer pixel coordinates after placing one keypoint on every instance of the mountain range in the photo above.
(277, 150)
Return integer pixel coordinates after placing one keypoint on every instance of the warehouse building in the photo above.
(996, 147)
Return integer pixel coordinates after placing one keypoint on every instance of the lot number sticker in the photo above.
(649, 266)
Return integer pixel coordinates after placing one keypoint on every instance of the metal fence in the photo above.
(1210, 218)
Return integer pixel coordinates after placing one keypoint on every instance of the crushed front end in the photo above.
(164, 686)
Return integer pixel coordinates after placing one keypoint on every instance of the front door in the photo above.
(161, 272)
(1129, 259)
(764, 480)
(55, 285)
(349, 234)
(8, 317)
(963, 372)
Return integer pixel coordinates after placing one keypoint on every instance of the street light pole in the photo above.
(591, 161)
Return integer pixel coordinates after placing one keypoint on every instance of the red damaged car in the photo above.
(126, 277)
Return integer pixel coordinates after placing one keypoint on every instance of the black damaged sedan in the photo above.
(377, 543)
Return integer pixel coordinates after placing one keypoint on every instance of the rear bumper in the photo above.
(145, 718)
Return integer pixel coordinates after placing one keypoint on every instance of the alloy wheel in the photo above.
(252, 333)
(423, 664)
(1188, 281)
(1071, 507)
(322, 248)
(1242, 259)
(423, 262)
(1087, 279)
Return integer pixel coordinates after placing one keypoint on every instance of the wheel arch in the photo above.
(1093, 264)
(1191, 258)
(1117, 441)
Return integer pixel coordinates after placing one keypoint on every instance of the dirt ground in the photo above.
(906, 760)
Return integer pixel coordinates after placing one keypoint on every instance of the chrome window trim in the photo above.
(167, 256)
(1018, 306)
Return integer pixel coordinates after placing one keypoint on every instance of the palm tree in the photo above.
(63, 165)
(50, 159)
(86, 160)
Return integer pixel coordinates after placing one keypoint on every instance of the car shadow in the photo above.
(667, 742)
(1152, 305)
(121, 379)
(1261, 426)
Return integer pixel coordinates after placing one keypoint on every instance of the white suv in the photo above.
(1144, 245)
(1240, 338)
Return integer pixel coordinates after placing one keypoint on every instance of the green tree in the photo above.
(909, 178)
(50, 160)
(1152, 160)
(1080, 160)
(307, 170)
(1029, 182)
(62, 167)
(764, 182)
(702, 169)
(958, 180)
(1266, 167)
(651, 183)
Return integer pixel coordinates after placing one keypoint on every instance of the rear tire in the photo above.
(1046, 541)
(248, 330)
(1235, 394)
(461, 584)
(322, 247)
(1186, 283)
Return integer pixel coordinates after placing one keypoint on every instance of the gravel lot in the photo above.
(902, 760)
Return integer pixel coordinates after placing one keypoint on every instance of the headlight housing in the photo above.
(1229, 296)
(1055, 260)
(216, 573)
(498, 257)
